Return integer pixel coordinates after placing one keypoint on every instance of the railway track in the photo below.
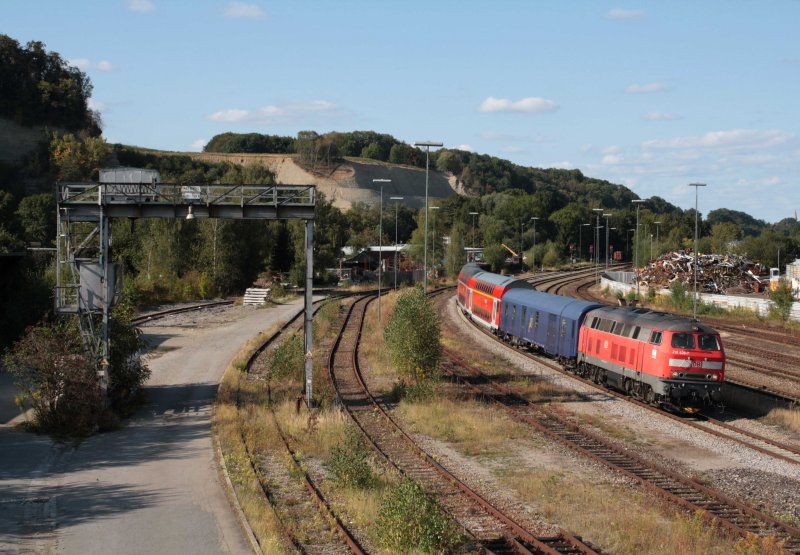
(725, 512)
(330, 521)
(145, 318)
(495, 531)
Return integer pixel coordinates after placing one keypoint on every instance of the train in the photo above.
(663, 359)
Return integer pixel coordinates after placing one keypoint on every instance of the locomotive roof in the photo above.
(566, 307)
(651, 319)
(473, 270)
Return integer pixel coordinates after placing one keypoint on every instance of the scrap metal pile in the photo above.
(716, 273)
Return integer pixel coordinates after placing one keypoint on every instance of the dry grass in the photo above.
(472, 427)
(228, 423)
(374, 346)
(619, 520)
(788, 419)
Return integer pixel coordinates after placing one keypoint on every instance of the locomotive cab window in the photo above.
(683, 340)
(708, 342)
(655, 338)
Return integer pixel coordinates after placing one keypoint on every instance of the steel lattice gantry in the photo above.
(85, 278)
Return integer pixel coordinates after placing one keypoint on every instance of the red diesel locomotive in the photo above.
(661, 358)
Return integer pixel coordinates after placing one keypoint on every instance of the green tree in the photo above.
(76, 159)
(373, 151)
(37, 217)
(412, 337)
(456, 256)
(782, 299)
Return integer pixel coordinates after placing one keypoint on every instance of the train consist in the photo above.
(663, 359)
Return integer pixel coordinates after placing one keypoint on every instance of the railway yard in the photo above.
(521, 455)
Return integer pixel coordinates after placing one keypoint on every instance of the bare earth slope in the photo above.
(350, 181)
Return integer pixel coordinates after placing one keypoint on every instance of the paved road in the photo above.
(152, 487)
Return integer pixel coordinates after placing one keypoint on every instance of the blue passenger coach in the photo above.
(548, 322)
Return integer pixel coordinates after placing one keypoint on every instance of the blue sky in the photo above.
(653, 95)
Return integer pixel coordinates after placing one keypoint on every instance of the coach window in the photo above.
(683, 340)
(522, 318)
(536, 324)
(708, 342)
(655, 338)
(563, 327)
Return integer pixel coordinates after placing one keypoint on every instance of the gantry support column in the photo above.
(108, 295)
(309, 313)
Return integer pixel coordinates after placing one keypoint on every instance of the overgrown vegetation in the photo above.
(410, 519)
(412, 337)
(349, 461)
(782, 299)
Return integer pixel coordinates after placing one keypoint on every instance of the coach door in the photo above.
(494, 311)
(469, 301)
(552, 333)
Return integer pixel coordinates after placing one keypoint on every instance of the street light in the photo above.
(694, 297)
(638, 203)
(533, 252)
(380, 244)
(628, 244)
(580, 240)
(396, 207)
(427, 145)
(473, 214)
(607, 216)
(597, 242)
(434, 239)
(657, 244)
(608, 247)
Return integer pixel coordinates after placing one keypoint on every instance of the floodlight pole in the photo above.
(396, 207)
(380, 245)
(694, 297)
(598, 211)
(638, 203)
(657, 224)
(473, 214)
(607, 216)
(580, 240)
(309, 312)
(433, 255)
(533, 248)
(427, 145)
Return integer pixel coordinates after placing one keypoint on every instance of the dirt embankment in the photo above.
(350, 181)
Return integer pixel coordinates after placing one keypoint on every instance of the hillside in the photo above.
(349, 181)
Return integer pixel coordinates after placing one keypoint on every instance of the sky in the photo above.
(652, 95)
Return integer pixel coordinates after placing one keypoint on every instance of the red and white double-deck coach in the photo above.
(479, 293)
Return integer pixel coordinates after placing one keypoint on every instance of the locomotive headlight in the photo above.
(676, 374)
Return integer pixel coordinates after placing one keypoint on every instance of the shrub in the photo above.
(287, 357)
(349, 462)
(54, 373)
(410, 519)
(680, 298)
(127, 371)
(412, 336)
(781, 302)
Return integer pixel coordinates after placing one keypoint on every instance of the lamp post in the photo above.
(533, 252)
(427, 145)
(638, 203)
(607, 216)
(473, 214)
(598, 211)
(433, 256)
(694, 297)
(628, 243)
(380, 245)
(396, 207)
(608, 247)
(657, 224)
(580, 240)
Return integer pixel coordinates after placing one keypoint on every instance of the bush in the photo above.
(782, 300)
(52, 370)
(349, 462)
(680, 298)
(410, 519)
(287, 358)
(127, 371)
(412, 337)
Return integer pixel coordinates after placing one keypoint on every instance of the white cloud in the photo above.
(733, 139)
(647, 88)
(197, 145)
(530, 105)
(660, 116)
(467, 148)
(95, 105)
(84, 64)
(511, 149)
(270, 114)
(612, 149)
(611, 159)
(241, 9)
(141, 6)
(625, 15)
